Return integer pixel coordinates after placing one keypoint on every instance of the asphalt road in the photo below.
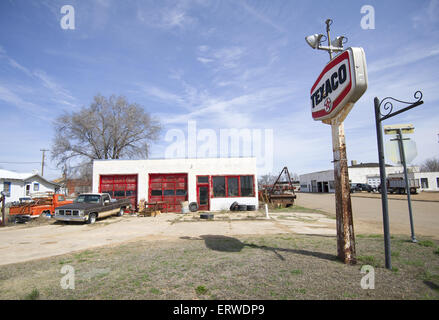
(368, 218)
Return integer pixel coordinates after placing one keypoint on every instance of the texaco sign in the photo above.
(341, 83)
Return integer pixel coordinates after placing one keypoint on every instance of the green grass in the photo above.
(426, 243)
(296, 272)
(201, 290)
(154, 291)
(33, 295)
(367, 260)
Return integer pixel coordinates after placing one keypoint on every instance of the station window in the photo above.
(233, 186)
(203, 179)
(36, 187)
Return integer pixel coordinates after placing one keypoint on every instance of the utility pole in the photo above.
(3, 209)
(42, 162)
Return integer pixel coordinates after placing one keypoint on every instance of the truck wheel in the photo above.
(91, 218)
(121, 212)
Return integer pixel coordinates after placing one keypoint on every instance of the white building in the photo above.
(323, 181)
(214, 183)
(18, 185)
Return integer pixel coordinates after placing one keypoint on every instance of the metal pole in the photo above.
(328, 23)
(3, 211)
(384, 202)
(345, 228)
(402, 155)
(42, 162)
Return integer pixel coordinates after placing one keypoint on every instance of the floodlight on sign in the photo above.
(314, 40)
(338, 42)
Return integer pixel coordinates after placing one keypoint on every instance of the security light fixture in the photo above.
(315, 40)
(338, 42)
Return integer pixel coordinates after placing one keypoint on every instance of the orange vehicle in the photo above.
(43, 205)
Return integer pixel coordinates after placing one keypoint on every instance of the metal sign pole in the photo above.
(388, 112)
(402, 155)
(345, 227)
(384, 203)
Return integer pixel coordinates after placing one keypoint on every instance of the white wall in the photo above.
(432, 180)
(356, 175)
(43, 185)
(16, 189)
(193, 167)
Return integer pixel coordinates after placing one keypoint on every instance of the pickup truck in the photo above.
(33, 208)
(88, 207)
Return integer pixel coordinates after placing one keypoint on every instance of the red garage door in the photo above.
(120, 186)
(171, 188)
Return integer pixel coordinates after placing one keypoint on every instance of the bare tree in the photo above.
(430, 165)
(266, 179)
(110, 128)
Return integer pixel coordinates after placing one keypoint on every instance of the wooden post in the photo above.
(345, 227)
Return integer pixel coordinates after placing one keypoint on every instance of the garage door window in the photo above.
(119, 193)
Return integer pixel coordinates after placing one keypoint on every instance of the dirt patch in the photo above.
(282, 266)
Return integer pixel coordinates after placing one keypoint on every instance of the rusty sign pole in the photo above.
(343, 206)
(345, 226)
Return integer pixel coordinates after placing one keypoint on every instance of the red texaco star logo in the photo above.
(328, 104)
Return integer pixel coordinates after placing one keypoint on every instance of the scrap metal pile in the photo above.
(280, 193)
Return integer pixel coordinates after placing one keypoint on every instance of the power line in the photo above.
(20, 162)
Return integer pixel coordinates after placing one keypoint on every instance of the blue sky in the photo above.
(224, 64)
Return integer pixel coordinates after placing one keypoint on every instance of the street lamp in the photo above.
(334, 46)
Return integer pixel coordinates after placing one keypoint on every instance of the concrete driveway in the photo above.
(23, 244)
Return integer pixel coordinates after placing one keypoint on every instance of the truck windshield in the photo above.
(88, 198)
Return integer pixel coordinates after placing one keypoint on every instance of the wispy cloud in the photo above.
(428, 16)
(160, 94)
(260, 17)
(58, 93)
(404, 57)
(10, 97)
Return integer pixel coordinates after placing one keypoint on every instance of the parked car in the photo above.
(364, 187)
(88, 207)
(353, 188)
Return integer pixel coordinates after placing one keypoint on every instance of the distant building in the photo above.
(18, 185)
(323, 181)
(74, 187)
